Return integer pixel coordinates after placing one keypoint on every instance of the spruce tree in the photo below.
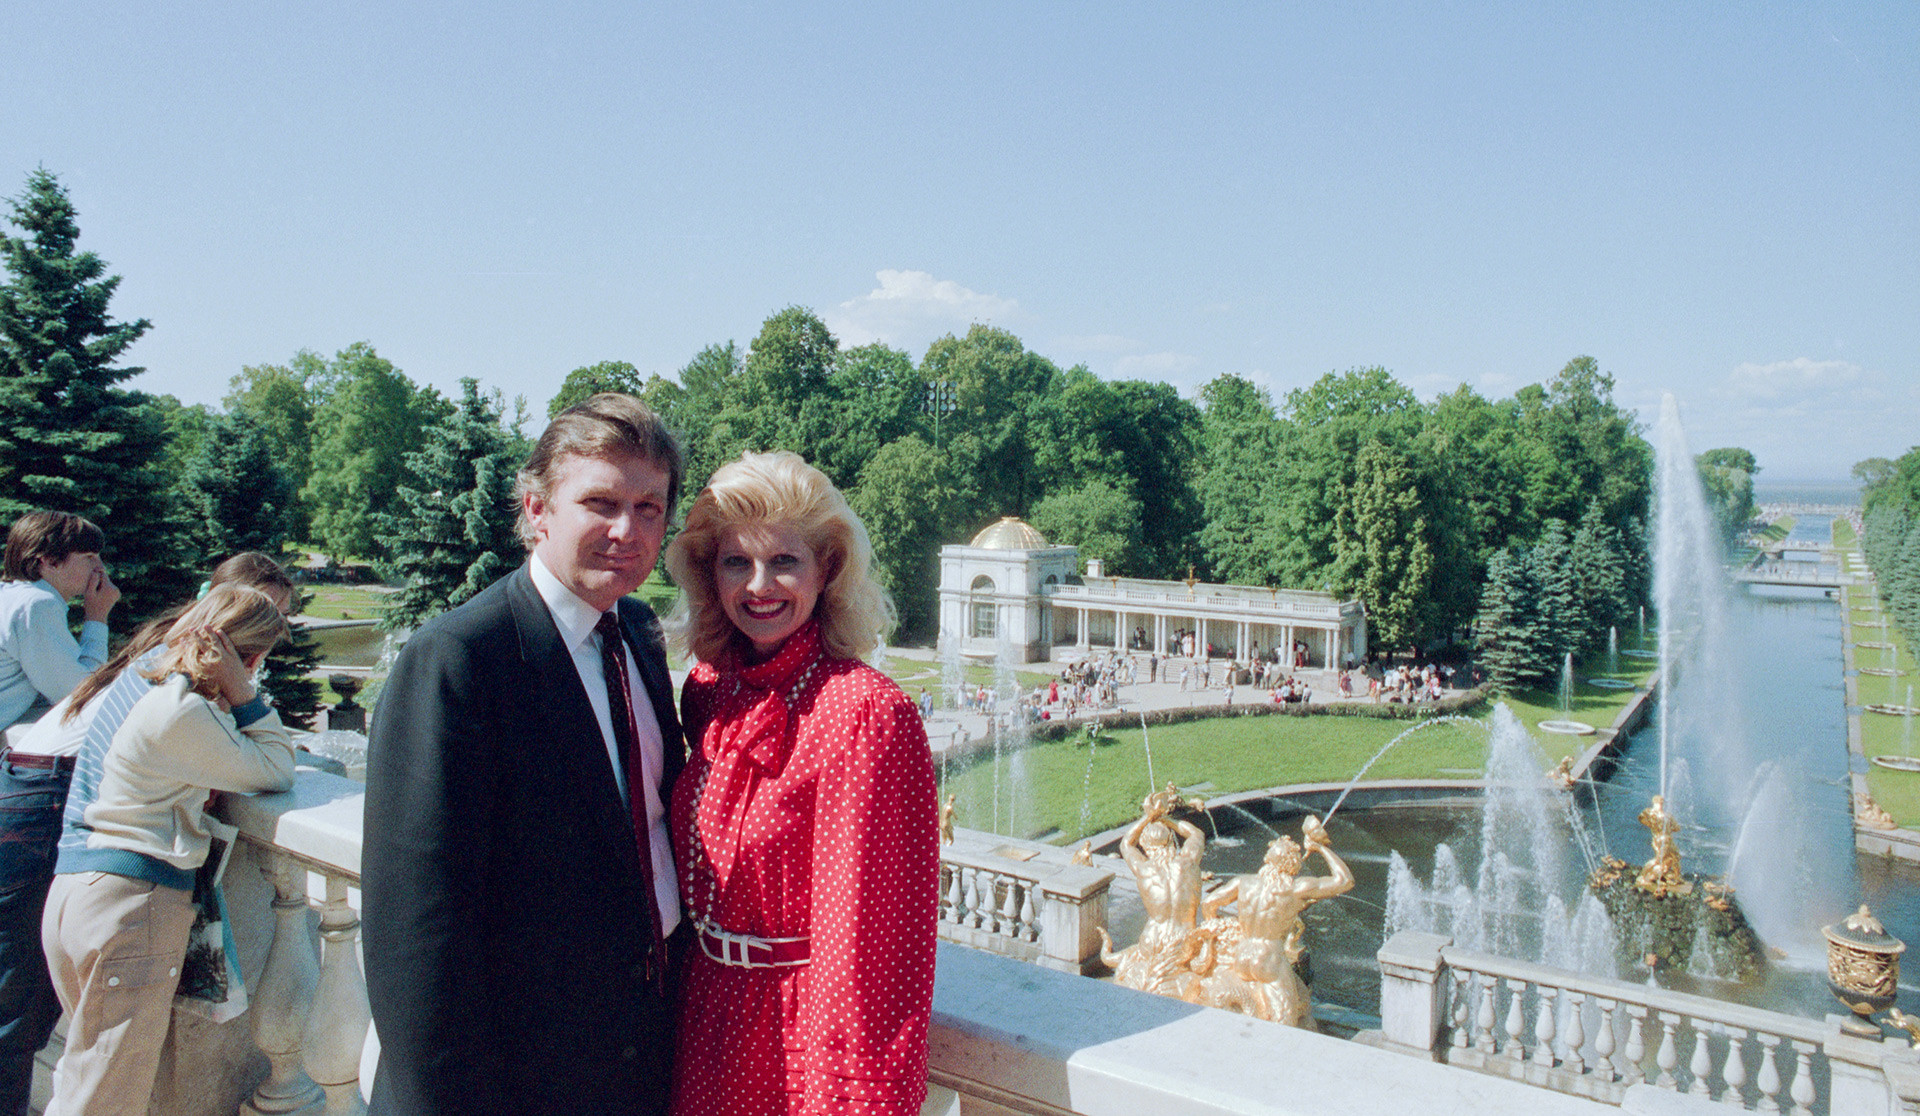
(453, 535)
(289, 677)
(1600, 575)
(1562, 620)
(1506, 634)
(73, 440)
(240, 497)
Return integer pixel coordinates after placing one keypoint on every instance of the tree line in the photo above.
(1351, 485)
(1890, 522)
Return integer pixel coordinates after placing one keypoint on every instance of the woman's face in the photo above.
(768, 581)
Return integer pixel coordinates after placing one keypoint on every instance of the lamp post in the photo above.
(939, 400)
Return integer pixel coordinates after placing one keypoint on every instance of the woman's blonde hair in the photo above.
(777, 489)
(249, 617)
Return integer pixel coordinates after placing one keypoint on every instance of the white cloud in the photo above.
(1792, 380)
(909, 309)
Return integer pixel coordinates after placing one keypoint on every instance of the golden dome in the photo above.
(1011, 533)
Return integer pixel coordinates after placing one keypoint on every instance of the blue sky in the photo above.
(1719, 202)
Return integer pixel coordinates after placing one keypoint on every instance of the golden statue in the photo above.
(1562, 775)
(1907, 1023)
(946, 821)
(1260, 947)
(1083, 854)
(1661, 875)
(1169, 877)
(1868, 814)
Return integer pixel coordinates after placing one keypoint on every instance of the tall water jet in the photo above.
(1613, 650)
(1566, 686)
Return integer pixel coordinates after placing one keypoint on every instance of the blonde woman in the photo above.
(805, 824)
(118, 915)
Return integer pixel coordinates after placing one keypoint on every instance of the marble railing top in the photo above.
(318, 821)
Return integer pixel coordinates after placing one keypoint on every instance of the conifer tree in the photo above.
(1506, 630)
(240, 497)
(453, 535)
(1562, 620)
(1599, 569)
(72, 439)
(289, 677)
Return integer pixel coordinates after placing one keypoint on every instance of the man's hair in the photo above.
(606, 425)
(778, 489)
(250, 568)
(48, 536)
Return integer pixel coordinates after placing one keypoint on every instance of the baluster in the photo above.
(1734, 1073)
(338, 1029)
(956, 911)
(1668, 1057)
(1603, 1042)
(1029, 917)
(1701, 1065)
(1802, 1076)
(1483, 1022)
(1769, 1080)
(1636, 1044)
(1515, 1024)
(975, 916)
(1462, 1009)
(1010, 911)
(285, 996)
(1576, 1030)
(1544, 1029)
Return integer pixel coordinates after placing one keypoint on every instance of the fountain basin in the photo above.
(1891, 710)
(1567, 728)
(1611, 684)
(1637, 653)
(1880, 672)
(1875, 646)
(1898, 763)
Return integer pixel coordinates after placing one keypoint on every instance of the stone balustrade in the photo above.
(1022, 899)
(1601, 1038)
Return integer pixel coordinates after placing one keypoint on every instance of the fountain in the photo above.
(1565, 724)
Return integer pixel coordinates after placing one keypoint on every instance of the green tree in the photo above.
(1000, 393)
(290, 671)
(1099, 518)
(371, 420)
(239, 496)
(278, 400)
(1600, 575)
(1563, 623)
(911, 503)
(73, 439)
(1507, 636)
(1381, 551)
(1726, 477)
(452, 533)
(608, 375)
(1240, 535)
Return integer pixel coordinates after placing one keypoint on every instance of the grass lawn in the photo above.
(1843, 534)
(346, 602)
(1897, 792)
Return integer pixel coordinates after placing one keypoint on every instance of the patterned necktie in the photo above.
(613, 663)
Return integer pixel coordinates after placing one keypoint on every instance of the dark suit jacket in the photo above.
(504, 913)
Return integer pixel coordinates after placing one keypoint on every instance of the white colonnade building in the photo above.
(1009, 594)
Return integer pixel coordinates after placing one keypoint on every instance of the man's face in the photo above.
(599, 531)
(70, 575)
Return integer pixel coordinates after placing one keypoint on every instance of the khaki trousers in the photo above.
(114, 947)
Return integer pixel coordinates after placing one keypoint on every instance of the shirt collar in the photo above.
(574, 617)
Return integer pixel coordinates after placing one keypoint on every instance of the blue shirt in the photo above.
(39, 657)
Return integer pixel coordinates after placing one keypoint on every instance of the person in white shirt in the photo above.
(51, 558)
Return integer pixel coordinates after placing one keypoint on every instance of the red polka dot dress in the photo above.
(817, 818)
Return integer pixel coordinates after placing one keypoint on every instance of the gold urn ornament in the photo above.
(1863, 963)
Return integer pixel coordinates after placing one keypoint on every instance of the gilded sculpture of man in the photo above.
(1661, 875)
(1254, 972)
(1164, 853)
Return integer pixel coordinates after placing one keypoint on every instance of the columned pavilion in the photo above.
(1010, 594)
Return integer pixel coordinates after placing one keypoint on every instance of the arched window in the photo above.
(985, 623)
(982, 584)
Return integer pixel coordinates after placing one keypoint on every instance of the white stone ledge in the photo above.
(318, 821)
(1030, 1040)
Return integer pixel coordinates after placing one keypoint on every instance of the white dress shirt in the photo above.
(576, 619)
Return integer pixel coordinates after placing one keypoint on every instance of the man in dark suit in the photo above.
(516, 913)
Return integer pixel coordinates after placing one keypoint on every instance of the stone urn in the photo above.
(1863, 963)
